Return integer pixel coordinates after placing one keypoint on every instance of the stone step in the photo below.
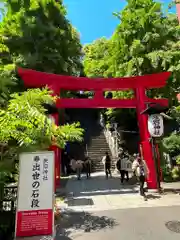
(98, 140)
(97, 154)
(99, 146)
(98, 149)
(92, 148)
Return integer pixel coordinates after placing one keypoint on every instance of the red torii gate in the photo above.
(35, 79)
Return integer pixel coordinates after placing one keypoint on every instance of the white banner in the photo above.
(155, 125)
(36, 181)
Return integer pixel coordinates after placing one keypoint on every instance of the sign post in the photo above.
(35, 207)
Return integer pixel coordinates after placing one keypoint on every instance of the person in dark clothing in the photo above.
(121, 168)
(87, 164)
(107, 163)
(124, 174)
(67, 163)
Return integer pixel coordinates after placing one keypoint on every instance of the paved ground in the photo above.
(99, 208)
(99, 194)
(136, 224)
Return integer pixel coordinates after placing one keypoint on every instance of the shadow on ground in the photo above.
(99, 185)
(71, 223)
(151, 196)
(171, 190)
(61, 191)
(79, 202)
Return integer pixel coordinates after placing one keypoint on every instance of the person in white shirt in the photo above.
(121, 166)
(140, 169)
(77, 166)
(73, 164)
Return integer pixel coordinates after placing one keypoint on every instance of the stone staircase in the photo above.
(96, 150)
(94, 143)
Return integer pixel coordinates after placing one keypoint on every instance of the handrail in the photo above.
(113, 139)
(112, 142)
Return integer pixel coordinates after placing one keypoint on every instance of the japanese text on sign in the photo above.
(156, 123)
(35, 213)
(36, 182)
(45, 169)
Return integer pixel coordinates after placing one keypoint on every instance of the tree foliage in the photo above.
(96, 58)
(172, 143)
(38, 35)
(25, 126)
(24, 122)
(35, 35)
(145, 41)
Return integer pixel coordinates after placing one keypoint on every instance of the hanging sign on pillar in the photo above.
(155, 125)
(35, 213)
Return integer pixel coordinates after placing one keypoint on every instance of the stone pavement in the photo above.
(137, 224)
(99, 194)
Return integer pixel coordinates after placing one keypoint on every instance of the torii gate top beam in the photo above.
(34, 78)
(55, 82)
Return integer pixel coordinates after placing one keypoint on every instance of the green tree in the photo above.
(25, 126)
(39, 36)
(145, 41)
(36, 35)
(24, 122)
(96, 58)
(172, 143)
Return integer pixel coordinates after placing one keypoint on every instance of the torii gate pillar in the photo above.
(145, 145)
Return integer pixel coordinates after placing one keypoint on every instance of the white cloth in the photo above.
(76, 164)
(124, 162)
(136, 167)
(79, 164)
(104, 159)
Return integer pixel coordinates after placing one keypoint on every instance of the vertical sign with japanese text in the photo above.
(155, 125)
(35, 194)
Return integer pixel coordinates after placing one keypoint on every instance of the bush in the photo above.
(176, 173)
(178, 160)
(167, 176)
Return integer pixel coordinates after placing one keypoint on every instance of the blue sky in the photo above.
(93, 18)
